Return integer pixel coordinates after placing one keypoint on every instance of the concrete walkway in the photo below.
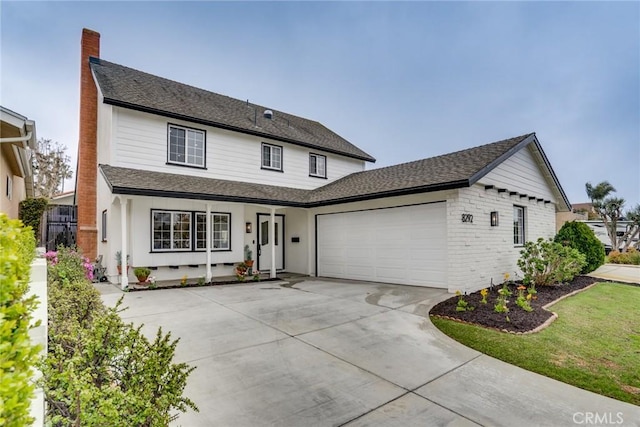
(346, 353)
(618, 272)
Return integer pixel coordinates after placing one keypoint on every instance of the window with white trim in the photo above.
(186, 146)
(271, 157)
(171, 230)
(518, 225)
(317, 165)
(220, 231)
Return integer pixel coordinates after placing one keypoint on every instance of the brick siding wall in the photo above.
(87, 148)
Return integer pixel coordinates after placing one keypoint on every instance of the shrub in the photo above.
(545, 262)
(30, 212)
(17, 354)
(141, 272)
(579, 236)
(631, 256)
(99, 370)
(67, 265)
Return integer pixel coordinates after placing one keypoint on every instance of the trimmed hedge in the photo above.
(18, 355)
(579, 236)
(100, 371)
(30, 212)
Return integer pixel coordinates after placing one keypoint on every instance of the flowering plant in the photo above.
(522, 301)
(66, 256)
(151, 282)
(484, 294)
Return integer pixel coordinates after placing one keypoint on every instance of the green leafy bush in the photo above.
(67, 265)
(99, 370)
(578, 235)
(545, 262)
(30, 212)
(631, 256)
(17, 354)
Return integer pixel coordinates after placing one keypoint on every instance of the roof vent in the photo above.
(268, 114)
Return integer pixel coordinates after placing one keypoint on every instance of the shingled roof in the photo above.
(129, 88)
(149, 183)
(454, 170)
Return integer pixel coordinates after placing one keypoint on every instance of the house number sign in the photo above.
(467, 218)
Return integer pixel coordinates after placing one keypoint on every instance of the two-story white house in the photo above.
(181, 179)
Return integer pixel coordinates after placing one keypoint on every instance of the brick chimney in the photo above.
(87, 173)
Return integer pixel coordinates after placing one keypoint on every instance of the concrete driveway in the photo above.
(345, 353)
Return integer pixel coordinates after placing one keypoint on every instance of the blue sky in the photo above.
(403, 81)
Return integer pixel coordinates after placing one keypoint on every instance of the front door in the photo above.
(266, 246)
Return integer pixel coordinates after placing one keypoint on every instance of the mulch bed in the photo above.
(519, 320)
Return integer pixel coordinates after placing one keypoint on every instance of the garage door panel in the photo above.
(405, 245)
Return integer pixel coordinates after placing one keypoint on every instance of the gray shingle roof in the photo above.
(149, 183)
(135, 89)
(454, 170)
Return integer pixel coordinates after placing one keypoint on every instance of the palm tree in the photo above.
(608, 208)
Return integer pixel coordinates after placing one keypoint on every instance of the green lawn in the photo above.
(594, 344)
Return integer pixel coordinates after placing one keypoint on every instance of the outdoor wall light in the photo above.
(494, 219)
(247, 227)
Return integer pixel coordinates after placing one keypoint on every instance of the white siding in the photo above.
(295, 225)
(139, 239)
(105, 129)
(140, 141)
(520, 173)
(479, 253)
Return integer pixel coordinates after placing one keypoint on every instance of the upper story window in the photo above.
(186, 146)
(317, 165)
(518, 225)
(271, 157)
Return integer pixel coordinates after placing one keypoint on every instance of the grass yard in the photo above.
(594, 344)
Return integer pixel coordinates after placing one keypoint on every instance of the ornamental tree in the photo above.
(610, 210)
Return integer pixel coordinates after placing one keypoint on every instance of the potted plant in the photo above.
(119, 262)
(142, 273)
(241, 271)
(248, 256)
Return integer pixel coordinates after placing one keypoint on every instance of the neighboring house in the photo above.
(579, 212)
(187, 178)
(17, 136)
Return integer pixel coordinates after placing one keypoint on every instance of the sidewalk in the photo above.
(618, 272)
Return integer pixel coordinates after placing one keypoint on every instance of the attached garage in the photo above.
(404, 245)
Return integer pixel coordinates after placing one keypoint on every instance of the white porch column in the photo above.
(124, 279)
(272, 239)
(311, 266)
(208, 235)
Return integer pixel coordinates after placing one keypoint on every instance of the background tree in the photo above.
(51, 166)
(609, 210)
(633, 228)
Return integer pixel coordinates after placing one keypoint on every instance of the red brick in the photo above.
(86, 188)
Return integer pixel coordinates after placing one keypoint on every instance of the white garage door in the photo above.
(405, 245)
